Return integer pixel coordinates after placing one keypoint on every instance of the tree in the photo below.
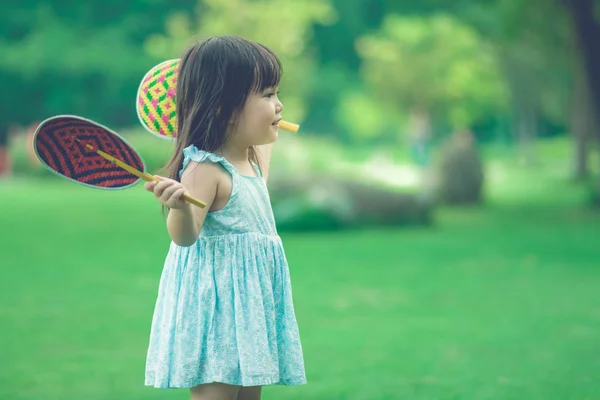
(532, 55)
(434, 64)
(256, 20)
(76, 57)
(584, 14)
(586, 91)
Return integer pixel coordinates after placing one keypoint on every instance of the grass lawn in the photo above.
(499, 302)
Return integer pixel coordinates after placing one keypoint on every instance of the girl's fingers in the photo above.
(162, 186)
(149, 186)
(168, 192)
(176, 198)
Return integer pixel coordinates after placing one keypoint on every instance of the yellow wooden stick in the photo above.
(143, 175)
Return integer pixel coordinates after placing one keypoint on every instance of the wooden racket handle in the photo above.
(143, 175)
(188, 197)
(147, 177)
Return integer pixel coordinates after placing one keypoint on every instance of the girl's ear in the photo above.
(234, 117)
(218, 112)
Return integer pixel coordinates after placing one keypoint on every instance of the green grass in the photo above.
(497, 302)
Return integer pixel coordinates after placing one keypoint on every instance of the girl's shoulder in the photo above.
(193, 154)
(210, 172)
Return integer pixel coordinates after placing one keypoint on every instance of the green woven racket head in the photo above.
(155, 101)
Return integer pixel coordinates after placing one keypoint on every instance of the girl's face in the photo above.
(257, 123)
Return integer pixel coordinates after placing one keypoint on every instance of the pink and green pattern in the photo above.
(156, 100)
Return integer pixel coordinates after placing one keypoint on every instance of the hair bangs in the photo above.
(268, 70)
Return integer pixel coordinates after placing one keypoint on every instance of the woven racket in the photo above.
(90, 154)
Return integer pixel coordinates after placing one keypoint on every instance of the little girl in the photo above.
(224, 322)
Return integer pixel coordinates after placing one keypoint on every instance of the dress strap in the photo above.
(191, 153)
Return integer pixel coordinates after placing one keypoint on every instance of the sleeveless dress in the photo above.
(224, 310)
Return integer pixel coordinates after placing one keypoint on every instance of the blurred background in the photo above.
(440, 206)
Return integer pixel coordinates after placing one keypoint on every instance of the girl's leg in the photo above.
(214, 391)
(249, 393)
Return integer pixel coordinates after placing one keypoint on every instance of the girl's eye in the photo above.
(269, 95)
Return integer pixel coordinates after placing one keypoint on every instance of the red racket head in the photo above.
(67, 144)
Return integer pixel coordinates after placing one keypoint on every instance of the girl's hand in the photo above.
(168, 192)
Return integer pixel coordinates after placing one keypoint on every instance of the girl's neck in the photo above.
(234, 153)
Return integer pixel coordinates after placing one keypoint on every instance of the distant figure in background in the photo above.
(224, 322)
(5, 160)
(419, 132)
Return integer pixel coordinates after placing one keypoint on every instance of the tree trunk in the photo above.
(582, 123)
(5, 161)
(587, 32)
(527, 130)
(525, 99)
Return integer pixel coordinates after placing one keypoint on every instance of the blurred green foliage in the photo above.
(354, 70)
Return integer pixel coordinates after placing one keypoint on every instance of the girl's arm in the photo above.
(185, 221)
(264, 155)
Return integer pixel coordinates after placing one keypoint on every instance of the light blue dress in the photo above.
(224, 311)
